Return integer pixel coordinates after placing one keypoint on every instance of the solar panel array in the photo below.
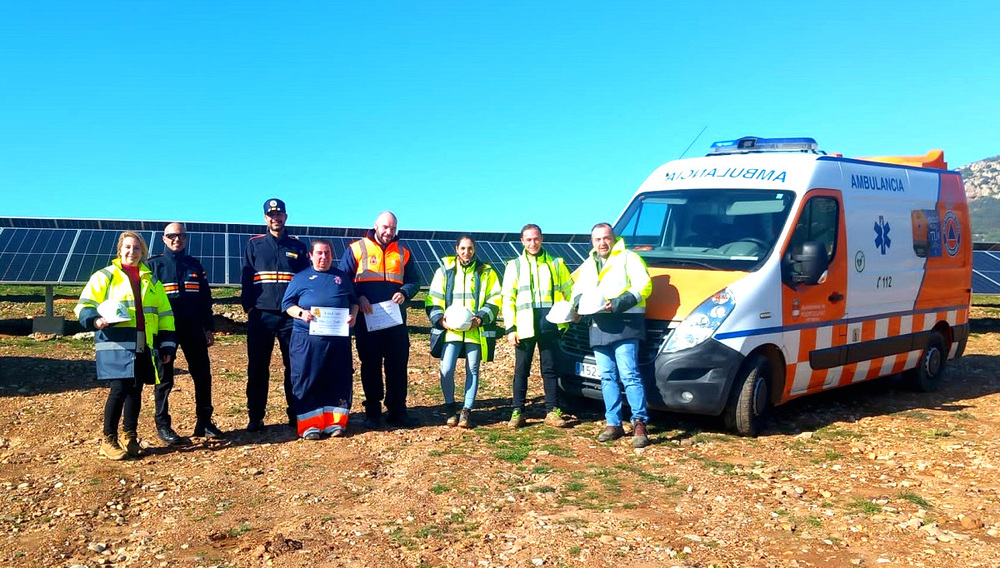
(57, 251)
(68, 251)
(985, 272)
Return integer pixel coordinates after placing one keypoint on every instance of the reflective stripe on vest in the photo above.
(554, 283)
(374, 265)
(614, 279)
(272, 277)
(115, 346)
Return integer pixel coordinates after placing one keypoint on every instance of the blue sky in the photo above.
(458, 115)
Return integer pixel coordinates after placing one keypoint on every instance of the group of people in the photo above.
(142, 309)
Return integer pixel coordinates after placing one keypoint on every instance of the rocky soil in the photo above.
(872, 475)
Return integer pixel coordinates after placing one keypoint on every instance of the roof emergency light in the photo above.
(752, 144)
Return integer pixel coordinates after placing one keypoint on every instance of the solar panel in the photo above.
(36, 254)
(985, 272)
(986, 283)
(441, 248)
(426, 271)
(498, 253)
(487, 253)
(69, 251)
(985, 261)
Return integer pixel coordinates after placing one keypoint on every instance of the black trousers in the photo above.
(263, 327)
(126, 396)
(389, 349)
(192, 340)
(548, 344)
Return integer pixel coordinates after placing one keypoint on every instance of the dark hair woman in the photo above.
(322, 301)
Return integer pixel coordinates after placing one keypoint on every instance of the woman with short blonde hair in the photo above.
(131, 339)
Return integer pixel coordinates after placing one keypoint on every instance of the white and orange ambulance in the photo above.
(780, 271)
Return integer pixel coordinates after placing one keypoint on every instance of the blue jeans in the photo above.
(620, 362)
(449, 359)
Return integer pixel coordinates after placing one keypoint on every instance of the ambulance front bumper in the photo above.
(695, 380)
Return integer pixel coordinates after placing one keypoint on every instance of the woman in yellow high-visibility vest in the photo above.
(463, 280)
(134, 334)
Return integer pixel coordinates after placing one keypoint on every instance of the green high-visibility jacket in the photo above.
(117, 343)
(483, 300)
(533, 283)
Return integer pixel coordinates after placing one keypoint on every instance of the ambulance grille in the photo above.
(576, 341)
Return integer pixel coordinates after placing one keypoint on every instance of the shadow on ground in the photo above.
(30, 376)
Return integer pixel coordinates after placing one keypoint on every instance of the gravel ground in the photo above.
(871, 475)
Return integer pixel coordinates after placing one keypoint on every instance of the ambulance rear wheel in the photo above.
(750, 399)
(929, 372)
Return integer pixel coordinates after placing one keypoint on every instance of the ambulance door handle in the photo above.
(836, 297)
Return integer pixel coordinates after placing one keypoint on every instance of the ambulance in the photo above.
(781, 271)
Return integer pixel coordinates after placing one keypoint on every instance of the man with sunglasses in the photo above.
(186, 284)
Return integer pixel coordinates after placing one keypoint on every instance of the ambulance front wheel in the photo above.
(750, 399)
(927, 375)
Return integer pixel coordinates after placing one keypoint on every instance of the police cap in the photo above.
(274, 204)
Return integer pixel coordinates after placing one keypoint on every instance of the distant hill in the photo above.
(982, 185)
(982, 178)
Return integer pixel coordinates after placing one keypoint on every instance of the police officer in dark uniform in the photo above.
(186, 284)
(269, 262)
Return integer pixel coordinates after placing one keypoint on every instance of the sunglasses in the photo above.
(175, 236)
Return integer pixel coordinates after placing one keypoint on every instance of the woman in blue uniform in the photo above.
(322, 302)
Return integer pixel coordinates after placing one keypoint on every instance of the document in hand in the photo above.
(330, 321)
(384, 314)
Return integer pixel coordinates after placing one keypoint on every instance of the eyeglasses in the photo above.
(175, 236)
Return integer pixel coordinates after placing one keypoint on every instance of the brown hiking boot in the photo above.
(517, 420)
(463, 418)
(556, 419)
(132, 447)
(110, 448)
(610, 433)
(451, 410)
(640, 437)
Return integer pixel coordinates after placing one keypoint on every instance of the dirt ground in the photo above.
(872, 475)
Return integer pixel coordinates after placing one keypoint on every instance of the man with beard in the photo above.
(383, 271)
(269, 262)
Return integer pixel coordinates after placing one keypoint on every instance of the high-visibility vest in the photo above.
(116, 344)
(376, 265)
(529, 283)
(476, 287)
(623, 271)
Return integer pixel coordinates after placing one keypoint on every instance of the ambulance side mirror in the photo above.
(808, 266)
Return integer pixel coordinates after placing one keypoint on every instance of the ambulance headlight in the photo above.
(702, 322)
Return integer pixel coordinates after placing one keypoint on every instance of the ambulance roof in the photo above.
(765, 166)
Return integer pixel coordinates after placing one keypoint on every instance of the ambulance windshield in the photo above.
(724, 229)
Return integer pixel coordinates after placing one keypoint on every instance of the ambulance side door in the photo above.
(815, 331)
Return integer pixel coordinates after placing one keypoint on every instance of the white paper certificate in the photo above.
(384, 314)
(329, 321)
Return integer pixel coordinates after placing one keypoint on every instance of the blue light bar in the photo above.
(749, 144)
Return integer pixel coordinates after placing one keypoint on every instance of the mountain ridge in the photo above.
(982, 186)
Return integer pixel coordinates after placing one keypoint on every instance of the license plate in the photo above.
(587, 370)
